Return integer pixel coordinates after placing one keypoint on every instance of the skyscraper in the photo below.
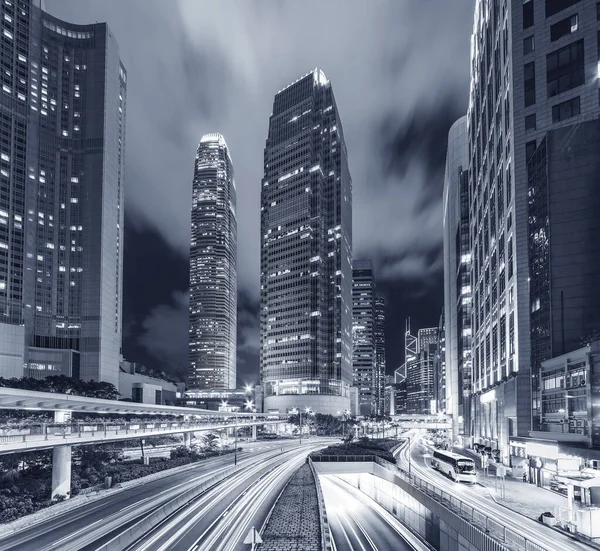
(213, 276)
(439, 368)
(564, 269)
(379, 329)
(61, 200)
(420, 353)
(457, 280)
(534, 67)
(306, 252)
(365, 376)
(363, 335)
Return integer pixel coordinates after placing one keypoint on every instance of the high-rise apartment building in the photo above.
(364, 367)
(457, 281)
(306, 252)
(62, 146)
(213, 275)
(379, 329)
(534, 67)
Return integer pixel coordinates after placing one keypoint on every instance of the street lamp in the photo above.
(249, 405)
(234, 440)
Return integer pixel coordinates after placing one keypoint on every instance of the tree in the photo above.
(210, 441)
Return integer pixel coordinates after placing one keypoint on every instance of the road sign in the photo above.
(253, 538)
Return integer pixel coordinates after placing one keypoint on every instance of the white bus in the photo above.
(457, 467)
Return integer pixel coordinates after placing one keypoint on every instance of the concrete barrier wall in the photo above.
(325, 531)
(437, 525)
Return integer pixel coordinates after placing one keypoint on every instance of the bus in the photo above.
(457, 467)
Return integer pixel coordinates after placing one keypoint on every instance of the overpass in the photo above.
(417, 421)
(64, 433)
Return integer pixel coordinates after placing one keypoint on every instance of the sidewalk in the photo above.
(522, 497)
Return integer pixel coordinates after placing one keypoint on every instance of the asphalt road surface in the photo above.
(222, 517)
(99, 521)
(357, 523)
(478, 497)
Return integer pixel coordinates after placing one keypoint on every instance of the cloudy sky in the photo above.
(399, 70)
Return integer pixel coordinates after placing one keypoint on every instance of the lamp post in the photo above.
(234, 440)
(409, 459)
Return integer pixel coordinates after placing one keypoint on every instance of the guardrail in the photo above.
(50, 431)
(326, 541)
(342, 458)
(494, 528)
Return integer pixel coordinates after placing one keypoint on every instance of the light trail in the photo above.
(521, 525)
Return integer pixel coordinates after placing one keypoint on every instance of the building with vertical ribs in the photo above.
(213, 276)
(306, 253)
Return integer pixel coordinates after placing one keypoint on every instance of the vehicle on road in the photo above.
(547, 518)
(458, 467)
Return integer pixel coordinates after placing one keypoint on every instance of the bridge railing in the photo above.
(51, 431)
(499, 531)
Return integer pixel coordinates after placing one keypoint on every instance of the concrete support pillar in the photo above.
(61, 471)
(253, 433)
(187, 439)
(277, 429)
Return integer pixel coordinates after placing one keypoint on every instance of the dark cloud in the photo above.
(156, 279)
(198, 66)
(421, 138)
(248, 330)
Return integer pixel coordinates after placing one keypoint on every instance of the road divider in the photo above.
(326, 541)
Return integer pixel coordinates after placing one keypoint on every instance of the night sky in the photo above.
(400, 73)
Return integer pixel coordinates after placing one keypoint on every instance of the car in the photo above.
(547, 518)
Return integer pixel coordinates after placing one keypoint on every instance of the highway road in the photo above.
(104, 518)
(357, 523)
(221, 518)
(478, 497)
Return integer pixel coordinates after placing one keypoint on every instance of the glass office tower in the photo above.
(364, 367)
(306, 253)
(457, 282)
(379, 329)
(534, 68)
(213, 275)
(61, 196)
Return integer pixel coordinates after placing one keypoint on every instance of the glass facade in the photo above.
(306, 252)
(457, 281)
(564, 249)
(213, 275)
(364, 363)
(379, 326)
(64, 197)
(516, 96)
